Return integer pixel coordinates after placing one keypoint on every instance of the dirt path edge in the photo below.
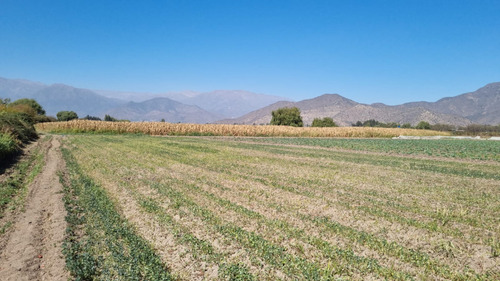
(34, 246)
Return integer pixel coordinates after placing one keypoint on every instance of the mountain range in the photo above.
(243, 107)
(480, 107)
(185, 107)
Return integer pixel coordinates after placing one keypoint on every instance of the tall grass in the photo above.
(161, 128)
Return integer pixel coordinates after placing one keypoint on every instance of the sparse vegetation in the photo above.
(13, 186)
(285, 208)
(100, 244)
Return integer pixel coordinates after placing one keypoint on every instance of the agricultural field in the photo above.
(219, 208)
(450, 148)
(180, 129)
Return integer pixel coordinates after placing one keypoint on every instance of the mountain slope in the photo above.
(481, 106)
(231, 103)
(162, 108)
(59, 97)
(18, 89)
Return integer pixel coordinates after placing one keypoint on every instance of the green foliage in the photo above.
(235, 272)
(16, 125)
(375, 123)
(449, 148)
(4, 101)
(287, 117)
(31, 103)
(325, 122)
(423, 125)
(66, 115)
(110, 118)
(44, 118)
(8, 145)
(406, 126)
(88, 117)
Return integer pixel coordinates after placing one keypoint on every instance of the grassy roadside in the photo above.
(14, 185)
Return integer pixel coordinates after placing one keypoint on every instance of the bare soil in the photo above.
(32, 249)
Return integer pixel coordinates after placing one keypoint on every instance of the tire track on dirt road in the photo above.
(33, 247)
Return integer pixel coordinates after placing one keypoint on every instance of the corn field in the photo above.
(162, 128)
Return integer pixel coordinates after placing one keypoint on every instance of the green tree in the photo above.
(287, 116)
(66, 115)
(109, 118)
(325, 122)
(88, 117)
(31, 103)
(406, 126)
(422, 125)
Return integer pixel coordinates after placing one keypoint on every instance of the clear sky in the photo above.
(369, 51)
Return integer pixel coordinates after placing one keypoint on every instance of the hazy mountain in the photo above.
(54, 98)
(231, 104)
(163, 108)
(127, 96)
(228, 103)
(17, 88)
(58, 97)
(481, 106)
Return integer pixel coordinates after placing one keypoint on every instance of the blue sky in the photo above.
(368, 51)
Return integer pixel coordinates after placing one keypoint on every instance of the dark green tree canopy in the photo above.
(66, 115)
(422, 125)
(287, 116)
(109, 118)
(325, 122)
(31, 103)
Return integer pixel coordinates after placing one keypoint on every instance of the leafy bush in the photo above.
(16, 127)
(66, 115)
(8, 145)
(406, 126)
(287, 117)
(88, 117)
(31, 103)
(109, 118)
(325, 122)
(422, 125)
(19, 125)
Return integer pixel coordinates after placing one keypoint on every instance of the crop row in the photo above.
(99, 243)
(213, 179)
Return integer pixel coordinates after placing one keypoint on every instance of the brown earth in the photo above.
(32, 249)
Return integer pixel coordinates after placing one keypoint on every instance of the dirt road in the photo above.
(32, 250)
